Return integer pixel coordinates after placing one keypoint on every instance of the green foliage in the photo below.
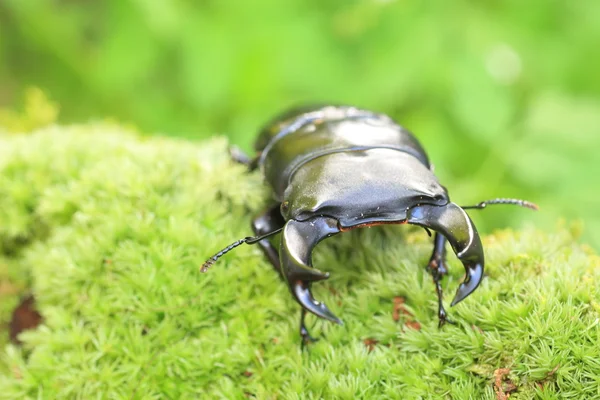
(110, 229)
(38, 112)
(503, 94)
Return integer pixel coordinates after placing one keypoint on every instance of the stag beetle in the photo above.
(337, 168)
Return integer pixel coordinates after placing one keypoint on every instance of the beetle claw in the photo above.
(302, 293)
(474, 275)
(445, 320)
(297, 243)
(306, 340)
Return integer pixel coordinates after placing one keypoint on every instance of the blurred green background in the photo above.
(505, 95)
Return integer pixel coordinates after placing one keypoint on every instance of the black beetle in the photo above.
(337, 168)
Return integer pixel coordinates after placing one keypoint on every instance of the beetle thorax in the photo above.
(361, 187)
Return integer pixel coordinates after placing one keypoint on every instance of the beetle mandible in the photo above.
(337, 168)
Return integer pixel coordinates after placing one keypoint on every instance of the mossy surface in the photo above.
(108, 232)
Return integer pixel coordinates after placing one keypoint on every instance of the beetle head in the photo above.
(453, 223)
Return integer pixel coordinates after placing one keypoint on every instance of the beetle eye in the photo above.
(285, 206)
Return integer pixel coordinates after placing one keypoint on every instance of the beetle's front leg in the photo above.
(297, 243)
(437, 268)
(269, 221)
(306, 337)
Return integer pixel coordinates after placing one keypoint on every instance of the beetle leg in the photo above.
(297, 244)
(269, 221)
(306, 337)
(239, 156)
(437, 269)
(454, 223)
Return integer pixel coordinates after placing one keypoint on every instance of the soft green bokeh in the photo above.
(109, 231)
(505, 95)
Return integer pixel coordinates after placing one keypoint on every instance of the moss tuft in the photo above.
(38, 112)
(108, 232)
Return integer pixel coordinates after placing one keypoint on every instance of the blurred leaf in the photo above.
(128, 52)
(482, 105)
(562, 138)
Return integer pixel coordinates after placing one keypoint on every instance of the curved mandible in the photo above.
(454, 223)
(297, 243)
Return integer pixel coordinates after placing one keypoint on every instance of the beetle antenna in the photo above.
(249, 240)
(515, 202)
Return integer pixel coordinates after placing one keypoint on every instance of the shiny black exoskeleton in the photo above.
(337, 168)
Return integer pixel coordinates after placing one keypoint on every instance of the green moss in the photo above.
(37, 112)
(109, 230)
